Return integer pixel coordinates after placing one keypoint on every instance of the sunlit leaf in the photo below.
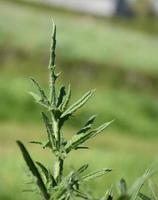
(31, 165)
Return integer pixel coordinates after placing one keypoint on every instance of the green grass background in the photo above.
(120, 62)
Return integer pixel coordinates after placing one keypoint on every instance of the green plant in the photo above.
(53, 185)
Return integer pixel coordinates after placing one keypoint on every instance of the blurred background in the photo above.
(110, 45)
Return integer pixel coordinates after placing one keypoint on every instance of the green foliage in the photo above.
(53, 185)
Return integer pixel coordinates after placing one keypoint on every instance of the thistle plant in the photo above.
(52, 184)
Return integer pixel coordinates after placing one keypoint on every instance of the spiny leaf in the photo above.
(52, 67)
(52, 179)
(39, 100)
(36, 97)
(37, 86)
(81, 138)
(82, 168)
(91, 120)
(87, 125)
(95, 174)
(44, 169)
(53, 46)
(66, 100)
(33, 169)
(134, 191)
(44, 99)
(77, 104)
(52, 81)
(61, 96)
(51, 137)
(102, 127)
(47, 174)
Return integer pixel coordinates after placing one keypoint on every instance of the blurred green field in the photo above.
(122, 64)
(87, 39)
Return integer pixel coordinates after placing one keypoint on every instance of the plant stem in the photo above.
(60, 173)
(58, 170)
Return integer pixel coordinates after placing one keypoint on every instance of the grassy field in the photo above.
(122, 64)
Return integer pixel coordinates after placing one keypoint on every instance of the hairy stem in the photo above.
(58, 172)
(58, 169)
(52, 80)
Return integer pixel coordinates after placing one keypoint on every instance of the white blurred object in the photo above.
(155, 6)
(98, 7)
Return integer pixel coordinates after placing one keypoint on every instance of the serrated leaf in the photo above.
(61, 96)
(82, 168)
(53, 76)
(77, 140)
(66, 100)
(43, 98)
(53, 46)
(87, 125)
(102, 127)
(95, 174)
(44, 170)
(49, 129)
(30, 163)
(47, 174)
(36, 97)
(77, 104)
(91, 120)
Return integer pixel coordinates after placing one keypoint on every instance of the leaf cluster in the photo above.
(51, 184)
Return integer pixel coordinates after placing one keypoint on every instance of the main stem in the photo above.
(59, 165)
(58, 169)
